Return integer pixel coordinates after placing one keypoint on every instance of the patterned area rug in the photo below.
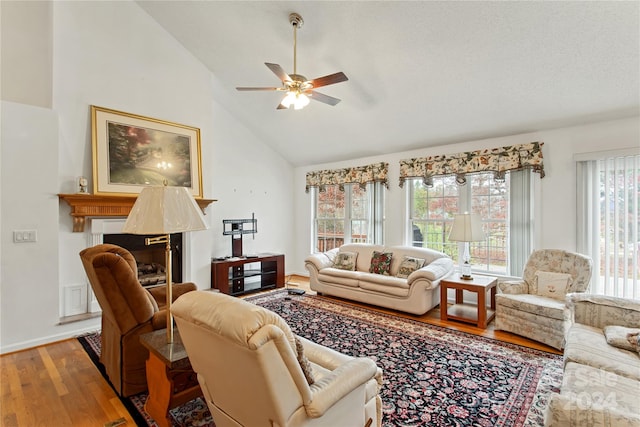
(432, 376)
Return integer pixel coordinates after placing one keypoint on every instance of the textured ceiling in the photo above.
(420, 73)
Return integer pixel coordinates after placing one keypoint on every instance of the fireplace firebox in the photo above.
(151, 258)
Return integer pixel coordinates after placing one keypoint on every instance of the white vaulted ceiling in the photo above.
(420, 73)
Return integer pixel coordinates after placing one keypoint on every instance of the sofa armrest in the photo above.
(575, 411)
(600, 311)
(436, 270)
(513, 287)
(321, 260)
(332, 387)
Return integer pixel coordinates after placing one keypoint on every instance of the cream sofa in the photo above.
(254, 371)
(416, 294)
(601, 382)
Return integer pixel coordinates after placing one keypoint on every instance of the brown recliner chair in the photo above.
(128, 311)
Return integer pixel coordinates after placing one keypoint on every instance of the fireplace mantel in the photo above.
(88, 205)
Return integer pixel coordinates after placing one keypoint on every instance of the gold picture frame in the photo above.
(132, 151)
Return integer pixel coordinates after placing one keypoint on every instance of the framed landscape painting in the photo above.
(131, 152)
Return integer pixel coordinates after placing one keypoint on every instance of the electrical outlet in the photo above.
(25, 236)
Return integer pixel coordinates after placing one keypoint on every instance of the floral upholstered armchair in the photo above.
(535, 306)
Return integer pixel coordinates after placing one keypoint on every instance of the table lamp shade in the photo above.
(164, 210)
(466, 227)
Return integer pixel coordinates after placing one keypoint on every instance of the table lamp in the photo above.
(467, 227)
(164, 210)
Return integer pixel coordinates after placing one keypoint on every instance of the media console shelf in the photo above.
(243, 275)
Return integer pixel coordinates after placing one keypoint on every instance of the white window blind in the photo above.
(608, 222)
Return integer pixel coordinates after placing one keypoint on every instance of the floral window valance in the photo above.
(360, 175)
(497, 160)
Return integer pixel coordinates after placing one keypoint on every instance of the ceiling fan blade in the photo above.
(278, 71)
(317, 96)
(258, 88)
(329, 80)
(281, 107)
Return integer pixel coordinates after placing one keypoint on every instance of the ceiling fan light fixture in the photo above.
(297, 87)
(296, 99)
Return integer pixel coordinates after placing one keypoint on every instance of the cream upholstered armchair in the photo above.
(535, 306)
(255, 372)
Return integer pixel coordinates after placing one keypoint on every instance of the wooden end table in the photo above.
(478, 315)
(170, 379)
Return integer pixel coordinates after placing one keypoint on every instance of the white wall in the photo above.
(112, 54)
(555, 226)
(26, 55)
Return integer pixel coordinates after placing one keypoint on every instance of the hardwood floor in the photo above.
(58, 384)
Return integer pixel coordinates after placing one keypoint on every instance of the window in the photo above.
(505, 209)
(350, 216)
(608, 221)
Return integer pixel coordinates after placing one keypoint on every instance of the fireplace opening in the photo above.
(151, 259)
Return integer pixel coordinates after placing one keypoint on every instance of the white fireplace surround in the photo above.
(100, 227)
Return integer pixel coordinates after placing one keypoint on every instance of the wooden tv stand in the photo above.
(243, 275)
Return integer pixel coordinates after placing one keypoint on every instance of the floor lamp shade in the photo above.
(164, 210)
(467, 227)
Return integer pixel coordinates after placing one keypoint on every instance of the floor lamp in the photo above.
(467, 227)
(164, 210)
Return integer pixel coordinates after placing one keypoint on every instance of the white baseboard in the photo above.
(47, 340)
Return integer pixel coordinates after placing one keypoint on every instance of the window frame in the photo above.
(522, 211)
(373, 215)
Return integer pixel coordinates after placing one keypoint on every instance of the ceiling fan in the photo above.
(297, 87)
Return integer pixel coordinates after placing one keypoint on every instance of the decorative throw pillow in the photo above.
(380, 263)
(408, 266)
(553, 285)
(307, 370)
(622, 337)
(345, 261)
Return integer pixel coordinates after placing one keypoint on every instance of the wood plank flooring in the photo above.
(58, 385)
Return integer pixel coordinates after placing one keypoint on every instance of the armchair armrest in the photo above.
(513, 287)
(159, 293)
(600, 311)
(321, 260)
(343, 380)
(435, 270)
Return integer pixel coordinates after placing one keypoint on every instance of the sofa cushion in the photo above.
(399, 252)
(587, 345)
(397, 291)
(364, 251)
(552, 285)
(380, 262)
(345, 261)
(340, 277)
(534, 304)
(622, 337)
(592, 386)
(380, 279)
(408, 266)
